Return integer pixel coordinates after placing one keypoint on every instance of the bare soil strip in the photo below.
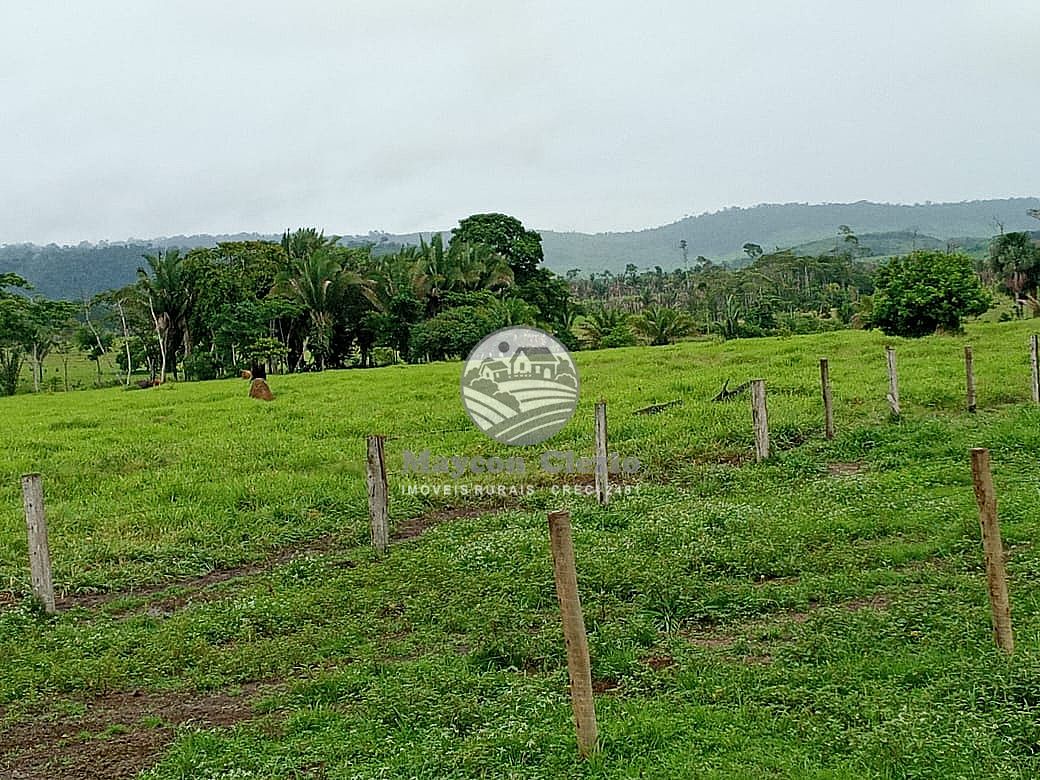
(119, 734)
(407, 529)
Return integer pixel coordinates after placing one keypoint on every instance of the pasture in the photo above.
(821, 614)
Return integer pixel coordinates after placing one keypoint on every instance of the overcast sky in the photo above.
(143, 118)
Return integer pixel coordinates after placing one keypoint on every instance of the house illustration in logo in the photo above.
(534, 362)
(494, 370)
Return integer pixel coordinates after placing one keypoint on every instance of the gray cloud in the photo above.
(159, 118)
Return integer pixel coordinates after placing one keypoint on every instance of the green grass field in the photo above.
(822, 614)
(81, 373)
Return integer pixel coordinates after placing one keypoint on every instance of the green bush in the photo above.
(927, 292)
(200, 366)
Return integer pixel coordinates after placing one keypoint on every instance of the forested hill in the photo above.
(72, 271)
(720, 235)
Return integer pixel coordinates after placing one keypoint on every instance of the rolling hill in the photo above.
(720, 235)
(885, 229)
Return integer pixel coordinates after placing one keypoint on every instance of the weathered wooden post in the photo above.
(578, 667)
(993, 546)
(1034, 360)
(893, 381)
(828, 402)
(378, 514)
(969, 374)
(602, 484)
(39, 546)
(760, 418)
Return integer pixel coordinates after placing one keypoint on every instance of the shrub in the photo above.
(200, 366)
(925, 292)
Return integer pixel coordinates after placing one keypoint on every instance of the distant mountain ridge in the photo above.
(722, 234)
(73, 271)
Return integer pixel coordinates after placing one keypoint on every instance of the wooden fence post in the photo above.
(1034, 360)
(996, 577)
(893, 381)
(602, 485)
(760, 418)
(578, 667)
(969, 374)
(377, 495)
(39, 546)
(828, 402)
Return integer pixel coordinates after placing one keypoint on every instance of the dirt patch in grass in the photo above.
(872, 602)
(724, 637)
(417, 526)
(711, 641)
(766, 580)
(758, 660)
(846, 468)
(200, 588)
(194, 587)
(724, 459)
(659, 662)
(119, 734)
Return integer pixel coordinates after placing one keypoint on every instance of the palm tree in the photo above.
(169, 302)
(660, 325)
(391, 276)
(392, 294)
(459, 267)
(435, 273)
(727, 316)
(569, 315)
(317, 281)
(515, 311)
(480, 267)
(602, 323)
(304, 242)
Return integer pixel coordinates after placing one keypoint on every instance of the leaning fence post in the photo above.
(39, 546)
(760, 418)
(996, 577)
(828, 402)
(893, 381)
(602, 486)
(578, 667)
(1034, 360)
(377, 495)
(969, 374)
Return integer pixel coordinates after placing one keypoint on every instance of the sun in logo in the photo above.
(520, 385)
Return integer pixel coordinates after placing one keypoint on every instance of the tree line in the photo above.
(310, 303)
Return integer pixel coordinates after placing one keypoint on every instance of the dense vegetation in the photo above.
(822, 614)
(306, 302)
(309, 302)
